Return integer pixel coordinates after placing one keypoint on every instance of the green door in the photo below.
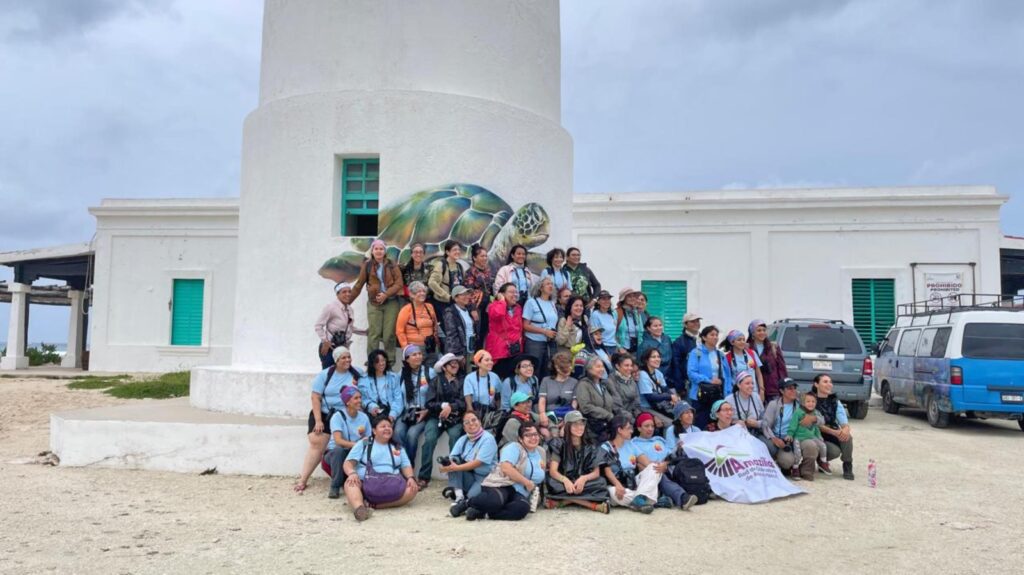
(667, 300)
(874, 308)
(187, 312)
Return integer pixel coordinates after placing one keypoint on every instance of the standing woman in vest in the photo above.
(516, 273)
(505, 334)
(709, 375)
(445, 274)
(655, 338)
(604, 316)
(415, 270)
(556, 270)
(628, 321)
(479, 278)
(773, 364)
(335, 325)
(540, 318)
(384, 281)
(741, 358)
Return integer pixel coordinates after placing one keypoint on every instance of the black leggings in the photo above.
(503, 503)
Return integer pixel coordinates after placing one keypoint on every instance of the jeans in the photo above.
(409, 435)
(672, 490)
(467, 481)
(336, 459)
(433, 432)
(542, 350)
(381, 320)
(501, 503)
(326, 359)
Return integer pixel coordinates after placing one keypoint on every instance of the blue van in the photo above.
(959, 361)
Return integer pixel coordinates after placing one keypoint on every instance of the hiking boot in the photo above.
(807, 476)
(334, 493)
(641, 504)
(362, 513)
(459, 507)
(848, 470)
(602, 508)
(794, 473)
(689, 502)
(824, 467)
(664, 502)
(472, 514)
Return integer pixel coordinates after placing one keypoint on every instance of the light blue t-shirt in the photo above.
(558, 278)
(386, 458)
(628, 454)
(656, 448)
(507, 391)
(330, 391)
(383, 390)
(782, 421)
(421, 383)
(606, 321)
(482, 390)
(534, 465)
(541, 313)
(647, 386)
(351, 428)
(484, 449)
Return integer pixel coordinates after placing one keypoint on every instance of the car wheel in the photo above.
(858, 409)
(889, 404)
(936, 417)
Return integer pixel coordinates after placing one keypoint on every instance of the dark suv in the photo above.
(813, 346)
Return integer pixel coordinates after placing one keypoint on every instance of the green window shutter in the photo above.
(187, 312)
(360, 197)
(667, 300)
(874, 308)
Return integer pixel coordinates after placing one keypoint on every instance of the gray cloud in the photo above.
(45, 20)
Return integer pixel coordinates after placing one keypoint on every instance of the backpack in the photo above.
(689, 473)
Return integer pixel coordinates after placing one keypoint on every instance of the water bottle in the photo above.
(872, 473)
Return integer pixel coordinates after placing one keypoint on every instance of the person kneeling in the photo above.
(471, 460)
(508, 492)
(379, 473)
(574, 473)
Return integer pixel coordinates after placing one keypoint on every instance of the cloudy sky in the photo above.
(145, 98)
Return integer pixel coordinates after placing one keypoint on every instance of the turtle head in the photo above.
(530, 226)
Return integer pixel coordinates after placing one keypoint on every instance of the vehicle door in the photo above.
(885, 363)
(903, 368)
(993, 366)
(931, 368)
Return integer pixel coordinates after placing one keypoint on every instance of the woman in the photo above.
(335, 326)
(595, 400)
(506, 495)
(384, 281)
(747, 406)
(682, 423)
(741, 358)
(378, 456)
(574, 473)
(556, 269)
(505, 333)
(584, 282)
(540, 318)
(627, 486)
(471, 460)
(522, 380)
(777, 416)
(515, 272)
(836, 427)
(415, 383)
(445, 274)
(573, 330)
(459, 325)
(593, 348)
(655, 451)
(623, 385)
(415, 270)
(522, 404)
(654, 338)
(604, 317)
(723, 416)
(773, 364)
(348, 426)
(480, 385)
(417, 321)
(709, 374)
(557, 391)
(445, 406)
(562, 297)
(381, 388)
(325, 399)
(628, 321)
(656, 397)
(479, 278)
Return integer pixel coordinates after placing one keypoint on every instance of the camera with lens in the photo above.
(446, 461)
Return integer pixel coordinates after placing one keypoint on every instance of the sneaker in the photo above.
(534, 499)
(334, 493)
(664, 502)
(848, 471)
(690, 501)
(472, 514)
(641, 504)
(459, 507)
(795, 472)
(824, 467)
(362, 513)
(448, 493)
(603, 508)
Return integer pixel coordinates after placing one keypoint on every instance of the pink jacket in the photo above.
(504, 330)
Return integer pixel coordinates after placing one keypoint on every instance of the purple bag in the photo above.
(382, 487)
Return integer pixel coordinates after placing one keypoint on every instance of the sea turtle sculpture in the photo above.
(466, 213)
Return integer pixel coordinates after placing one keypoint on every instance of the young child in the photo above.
(797, 433)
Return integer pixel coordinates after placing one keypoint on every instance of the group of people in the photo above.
(555, 396)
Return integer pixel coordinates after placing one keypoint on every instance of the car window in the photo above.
(924, 343)
(821, 340)
(993, 341)
(888, 344)
(940, 342)
(908, 343)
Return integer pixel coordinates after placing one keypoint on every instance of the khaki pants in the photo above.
(381, 320)
(646, 485)
(788, 459)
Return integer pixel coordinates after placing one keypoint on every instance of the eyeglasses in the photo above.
(530, 435)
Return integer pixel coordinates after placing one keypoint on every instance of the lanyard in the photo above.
(751, 405)
(782, 413)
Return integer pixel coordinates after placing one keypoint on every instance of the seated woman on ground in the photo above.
(522, 412)
(326, 399)
(626, 486)
(508, 496)
(348, 426)
(656, 450)
(557, 393)
(368, 466)
(471, 460)
(574, 473)
(380, 388)
(747, 406)
(656, 397)
(723, 416)
(522, 379)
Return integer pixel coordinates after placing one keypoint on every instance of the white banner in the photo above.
(738, 466)
(940, 286)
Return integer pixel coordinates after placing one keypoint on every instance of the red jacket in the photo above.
(504, 330)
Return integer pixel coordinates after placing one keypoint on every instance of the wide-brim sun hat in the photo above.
(445, 360)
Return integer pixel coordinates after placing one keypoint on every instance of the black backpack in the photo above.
(689, 473)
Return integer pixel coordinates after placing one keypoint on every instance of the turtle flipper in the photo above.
(343, 268)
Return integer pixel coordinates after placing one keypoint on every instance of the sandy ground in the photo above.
(948, 501)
